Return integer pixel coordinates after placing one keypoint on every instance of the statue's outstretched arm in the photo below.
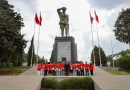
(58, 10)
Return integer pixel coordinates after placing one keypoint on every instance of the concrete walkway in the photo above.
(19, 82)
(29, 81)
(30, 72)
(26, 81)
(106, 81)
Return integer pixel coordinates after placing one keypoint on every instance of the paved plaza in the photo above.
(29, 81)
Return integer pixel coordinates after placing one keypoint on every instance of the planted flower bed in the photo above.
(85, 83)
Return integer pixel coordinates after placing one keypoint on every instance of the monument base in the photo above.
(64, 49)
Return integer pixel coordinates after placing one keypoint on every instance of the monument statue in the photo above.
(64, 48)
(64, 21)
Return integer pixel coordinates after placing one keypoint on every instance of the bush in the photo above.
(49, 83)
(124, 63)
(10, 64)
(3, 65)
(7, 63)
(77, 83)
(70, 83)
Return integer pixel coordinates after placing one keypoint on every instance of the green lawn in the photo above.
(11, 72)
(116, 72)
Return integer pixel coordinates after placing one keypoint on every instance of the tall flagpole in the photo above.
(33, 44)
(91, 19)
(99, 46)
(97, 20)
(93, 45)
(38, 44)
(112, 54)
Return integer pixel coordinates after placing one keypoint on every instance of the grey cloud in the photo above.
(105, 44)
(51, 36)
(30, 3)
(48, 14)
(74, 30)
(112, 19)
(88, 42)
(18, 10)
(107, 4)
(117, 46)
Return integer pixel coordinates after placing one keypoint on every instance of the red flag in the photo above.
(91, 18)
(40, 20)
(96, 17)
(36, 19)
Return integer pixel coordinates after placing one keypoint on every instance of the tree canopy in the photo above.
(122, 26)
(31, 54)
(12, 42)
(97, 58)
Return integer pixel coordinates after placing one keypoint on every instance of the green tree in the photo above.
(97, 58)
(31, 54)
(12, 42)
(34, 60)
(123, 53)
(25, 58)
(124, 63)
(122, 26)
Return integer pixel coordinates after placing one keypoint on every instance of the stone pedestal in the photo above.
(64, 48)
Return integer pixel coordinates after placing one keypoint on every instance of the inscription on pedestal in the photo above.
(64, 50)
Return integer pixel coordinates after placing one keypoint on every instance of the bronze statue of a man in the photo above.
(64, 21)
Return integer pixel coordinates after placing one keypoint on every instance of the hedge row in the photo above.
(124, 63)
(4, 65)
(70, 83)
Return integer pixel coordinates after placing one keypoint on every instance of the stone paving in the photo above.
(29, 81)
(30, 72)
(19, 82)
(106, 81)
(26, 81)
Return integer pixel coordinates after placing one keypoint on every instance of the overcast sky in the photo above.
(78, 11)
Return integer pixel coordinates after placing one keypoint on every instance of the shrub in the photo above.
(3, 65)
(7, 64)
(49, 83)
(124, 63)
(70, 83)
(10, 64)
(77, 83)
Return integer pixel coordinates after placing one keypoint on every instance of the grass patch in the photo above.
(11, 72)
(116, 72)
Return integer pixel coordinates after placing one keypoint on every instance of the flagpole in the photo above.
(38, 44)
(33, 44)
(99, 45)
(112, 54)
(93, 45)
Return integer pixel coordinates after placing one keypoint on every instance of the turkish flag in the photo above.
(36, 19)
(96, 17)
(91, 18)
